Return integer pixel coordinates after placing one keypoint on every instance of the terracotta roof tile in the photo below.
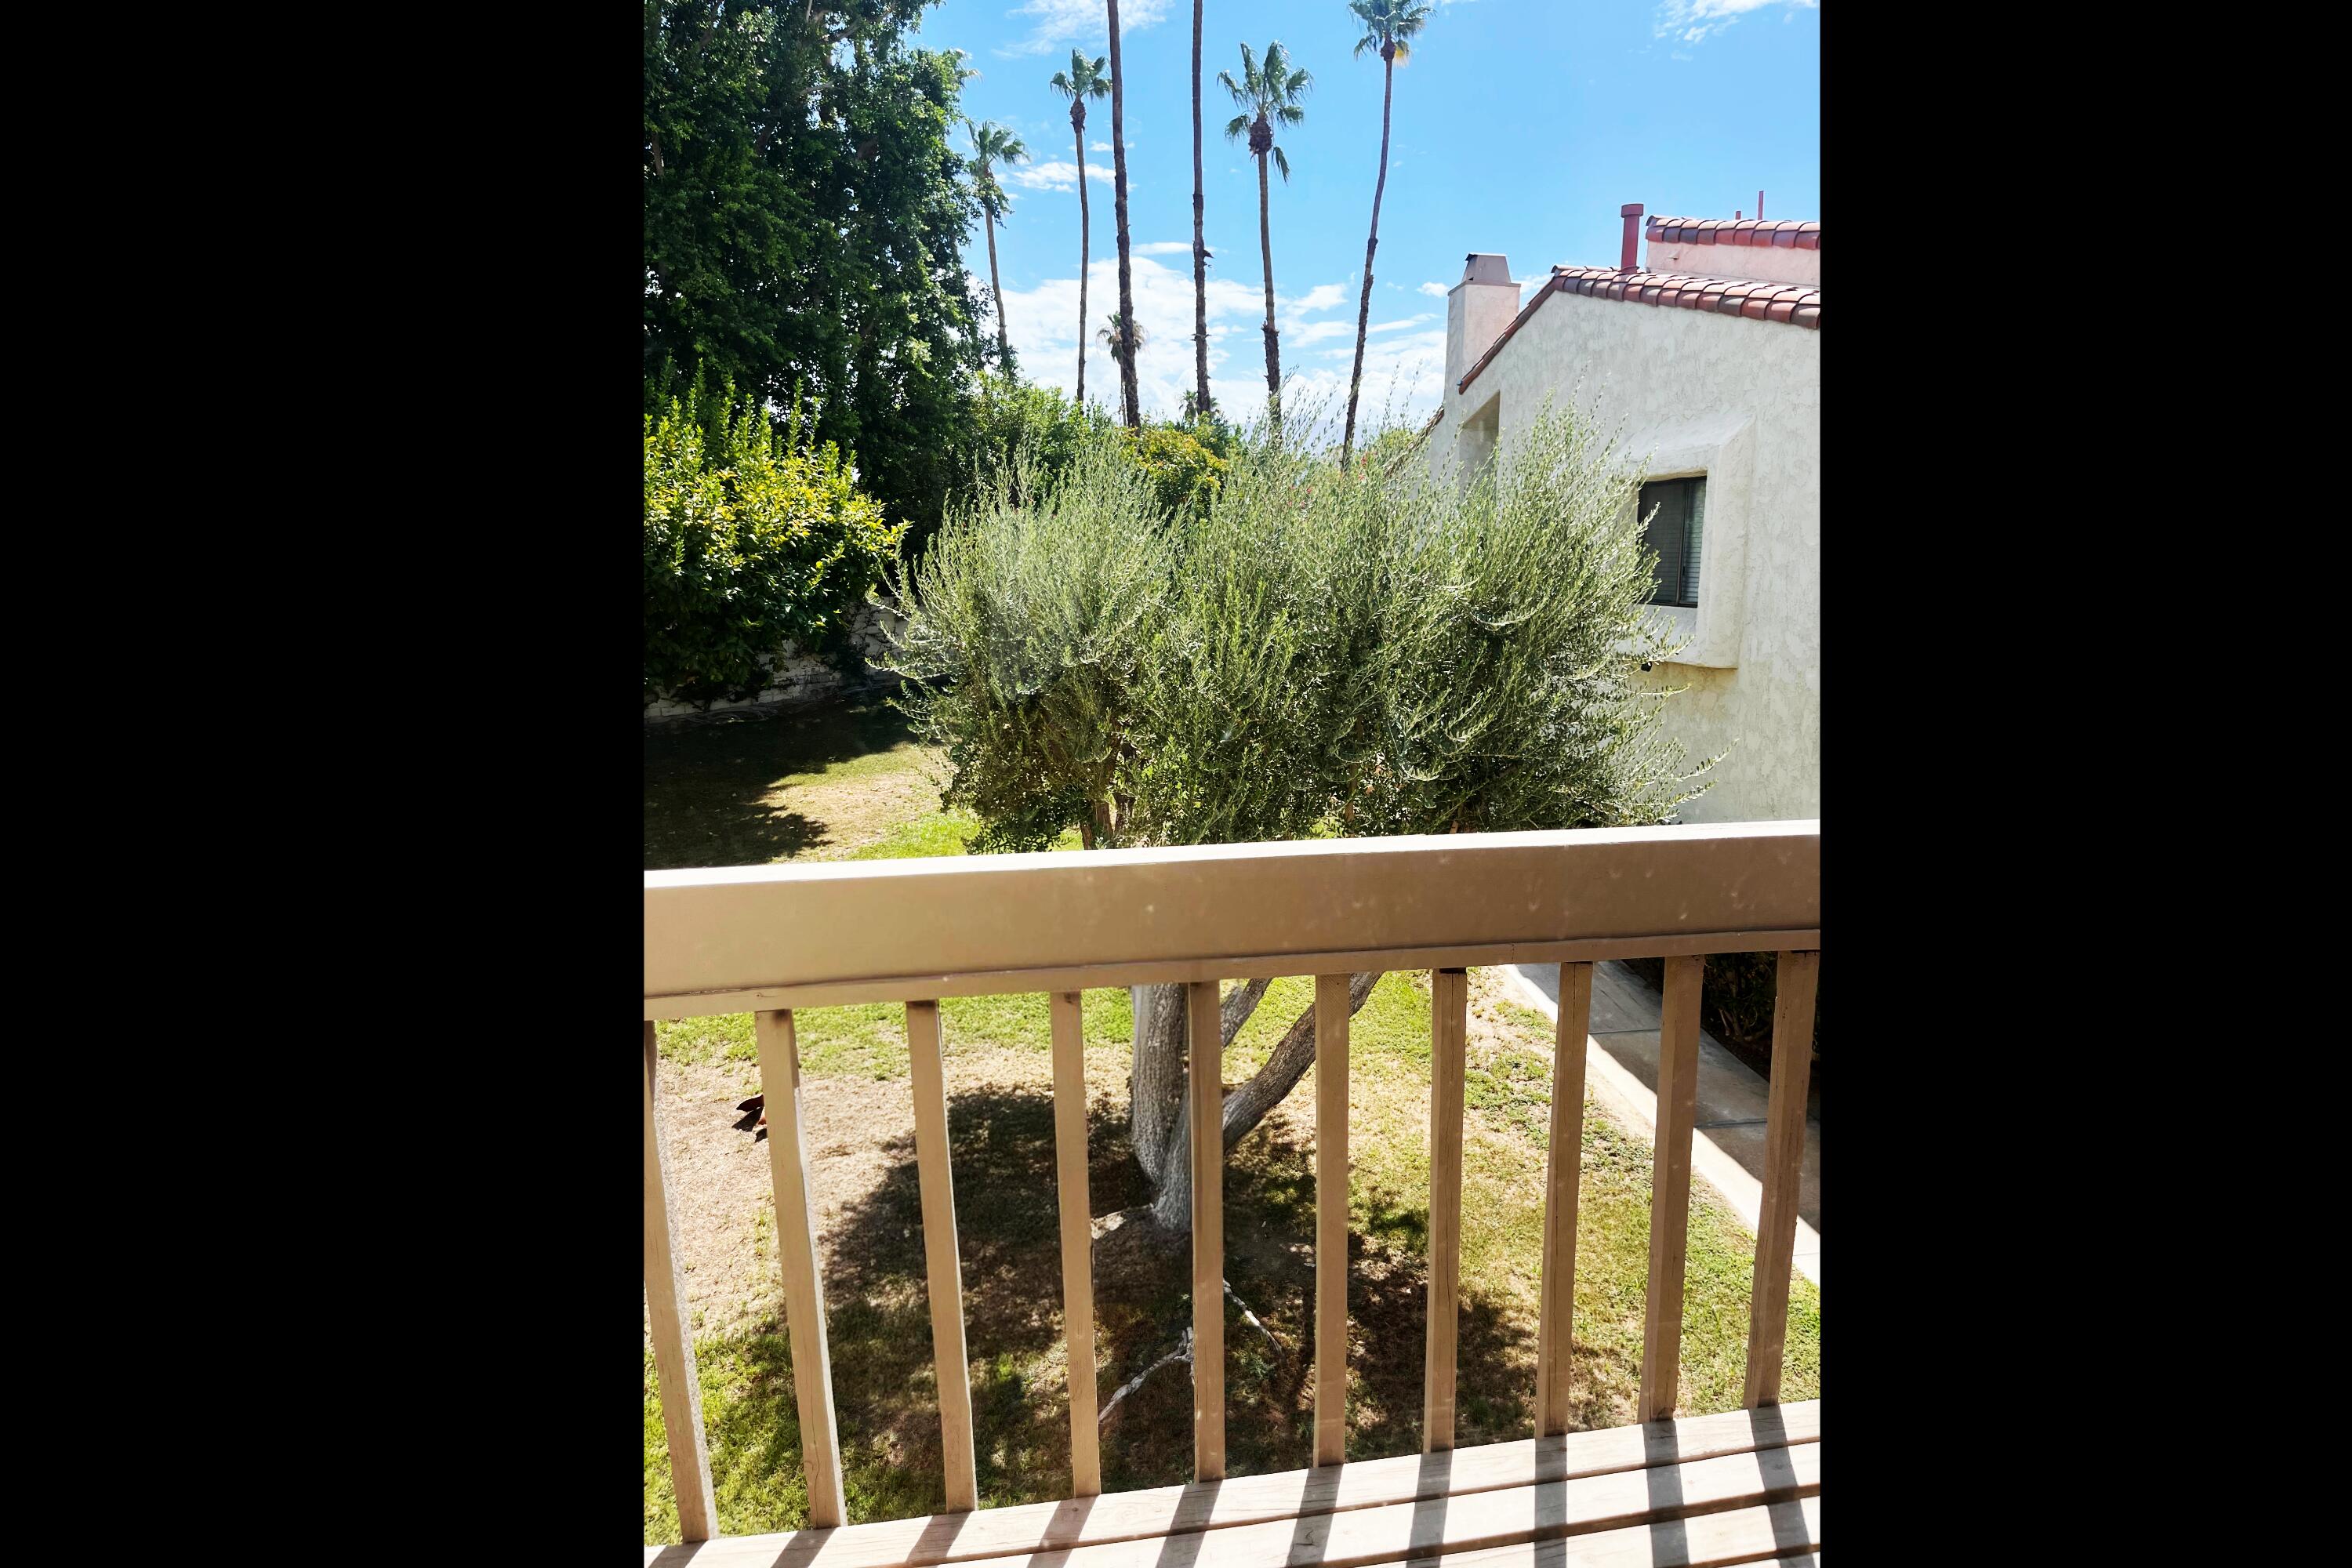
(1795, 303)
(1784, 233)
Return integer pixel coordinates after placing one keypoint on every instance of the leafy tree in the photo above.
(1084, 80)
(804, 216)
(1268, 94)
(993, 145)
(754, 537)
(1318, 649)
(1388, 29)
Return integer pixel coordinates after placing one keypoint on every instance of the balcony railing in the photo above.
(769, 940)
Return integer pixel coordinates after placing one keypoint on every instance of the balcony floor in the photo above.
(1738, 1487)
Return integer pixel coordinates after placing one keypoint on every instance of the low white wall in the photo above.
(797, 678)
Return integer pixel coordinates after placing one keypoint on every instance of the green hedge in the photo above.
(754, 539)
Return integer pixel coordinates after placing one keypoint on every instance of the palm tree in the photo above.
(990, 144)
(1268, 93)
(1118, 206)
(1201, 403)
(1389, 27)
(1111, 336)
(1083, 81)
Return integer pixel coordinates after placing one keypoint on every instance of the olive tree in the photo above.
(1320, 651)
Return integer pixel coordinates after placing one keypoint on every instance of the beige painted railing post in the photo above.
(1784, 1165)
(1670, 1177)
(1331, 1019)
(942, 1271)
(1078, 1240)
(681, 1395)
(1449, 1007)
(1555, 1336)
(780, 1082)
(1204, 1083)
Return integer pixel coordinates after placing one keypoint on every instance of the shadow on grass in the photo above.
(707, 781)
(878, 1323)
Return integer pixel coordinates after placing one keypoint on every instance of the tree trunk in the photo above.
(1200, 245)
(1364, 305)
(1004, 353)
(1118, 204)
(1157, 1122)
(1078, 129)
(1266, 253)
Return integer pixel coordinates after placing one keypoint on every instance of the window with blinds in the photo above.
(1675, 532)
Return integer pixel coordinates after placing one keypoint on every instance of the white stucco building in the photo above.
(1706, 362)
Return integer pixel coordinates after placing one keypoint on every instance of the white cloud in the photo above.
(1322, 296)
(1165, 248)
(1434, 290)
(1097, 147)
(1061, 23)
(1057, 174)
(1692, 21)
(1403, 360)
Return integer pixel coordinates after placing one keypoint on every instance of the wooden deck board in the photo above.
(1602, 1491)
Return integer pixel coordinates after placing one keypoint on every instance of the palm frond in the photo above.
(1282, 161)
(1237, 127)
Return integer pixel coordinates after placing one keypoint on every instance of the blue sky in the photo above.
(1520, 126)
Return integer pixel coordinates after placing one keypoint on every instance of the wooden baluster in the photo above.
(1204, 1067)
(1556, 1335)
(1449, 1003)
(780, 1083)
(681, 1394)
(1078, 1240)
(943, 1271)
(1784, 1166)
(1670, 1177)
(1331, 1019)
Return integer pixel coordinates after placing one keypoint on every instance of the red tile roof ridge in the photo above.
(1786, 233)
(1798, 304)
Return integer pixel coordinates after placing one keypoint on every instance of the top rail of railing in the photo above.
(740, 939)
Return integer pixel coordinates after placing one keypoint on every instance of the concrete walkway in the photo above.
(1728, 1149)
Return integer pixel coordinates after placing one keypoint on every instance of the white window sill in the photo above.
(1681, 623)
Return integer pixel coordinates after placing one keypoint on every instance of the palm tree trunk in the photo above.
(1078, 129)
(1266, 253)
(1003, 353)
(1364, 305)
(1118, 203)
(1200, 246)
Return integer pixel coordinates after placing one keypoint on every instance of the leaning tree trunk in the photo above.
(1004, 351)
(1372, 243)
(1157, 1122)
(1200, 245)
(1118, 207)
(1265, 254)
(1078, 129)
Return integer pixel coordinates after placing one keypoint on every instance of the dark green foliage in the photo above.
(1020, 430)
(1028, 434)
(804, 216)
(1735, 998)
(754, 538)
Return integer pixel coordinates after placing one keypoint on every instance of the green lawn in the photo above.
(812, 772)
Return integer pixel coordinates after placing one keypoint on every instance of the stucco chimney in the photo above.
(1629, 254)
(1477, 309)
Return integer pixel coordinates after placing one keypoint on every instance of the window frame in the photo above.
(1689, 564)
